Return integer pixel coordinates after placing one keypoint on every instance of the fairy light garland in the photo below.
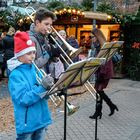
(69, 11)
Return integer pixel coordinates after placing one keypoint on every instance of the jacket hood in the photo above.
(13, 63)
(32, 28)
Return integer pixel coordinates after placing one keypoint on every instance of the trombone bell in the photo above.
(75, 52)
(72, 109)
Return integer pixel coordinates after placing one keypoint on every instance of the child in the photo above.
(31, 112)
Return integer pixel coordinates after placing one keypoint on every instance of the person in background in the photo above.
(32, 115)
(3, 34)
(1, 57)
(102, 78)
(8, 47)
(82, 41)
(63, 34)
(94, 47)
(92, 53)
(56, 66)
(88, 42)
(71, 40)
(65, 37)
(74, 43)
(0, 40)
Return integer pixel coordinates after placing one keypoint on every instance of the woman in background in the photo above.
(102, 78)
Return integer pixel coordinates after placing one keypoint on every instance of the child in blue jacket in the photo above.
(31, 112)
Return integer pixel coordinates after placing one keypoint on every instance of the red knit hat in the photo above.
(23, 44)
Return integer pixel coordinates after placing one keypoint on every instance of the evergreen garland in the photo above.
(10, 18)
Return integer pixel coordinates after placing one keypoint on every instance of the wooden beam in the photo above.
(95, 15)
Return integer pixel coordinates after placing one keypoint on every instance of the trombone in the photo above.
(74, 51)
(71, 108)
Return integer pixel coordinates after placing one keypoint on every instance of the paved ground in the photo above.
(123, 125)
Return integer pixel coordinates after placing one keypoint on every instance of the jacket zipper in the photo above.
(26, 116)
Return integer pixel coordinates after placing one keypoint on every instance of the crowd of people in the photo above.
(23, 51)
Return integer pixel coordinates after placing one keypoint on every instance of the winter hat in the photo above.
(23, 44)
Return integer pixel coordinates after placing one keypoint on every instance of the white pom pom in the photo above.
(29, 42)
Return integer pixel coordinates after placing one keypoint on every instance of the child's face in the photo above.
(63, 36)
(44, 26)
(27, 58)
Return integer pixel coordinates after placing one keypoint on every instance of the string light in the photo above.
(64, 11)
(69, 11)
(109, 17)
(78, 12)
(21, 20)
(74, 11)
(56, 12)
(83, 13)
(60, 12)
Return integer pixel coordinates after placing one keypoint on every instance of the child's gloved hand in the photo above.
(47, 82)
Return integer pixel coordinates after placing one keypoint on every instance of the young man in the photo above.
(38, 33)
(31, 112)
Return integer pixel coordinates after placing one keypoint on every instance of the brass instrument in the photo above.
(69, 59)
(74, 51)
(54, 98)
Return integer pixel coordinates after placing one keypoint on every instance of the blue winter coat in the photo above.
(30, 109)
